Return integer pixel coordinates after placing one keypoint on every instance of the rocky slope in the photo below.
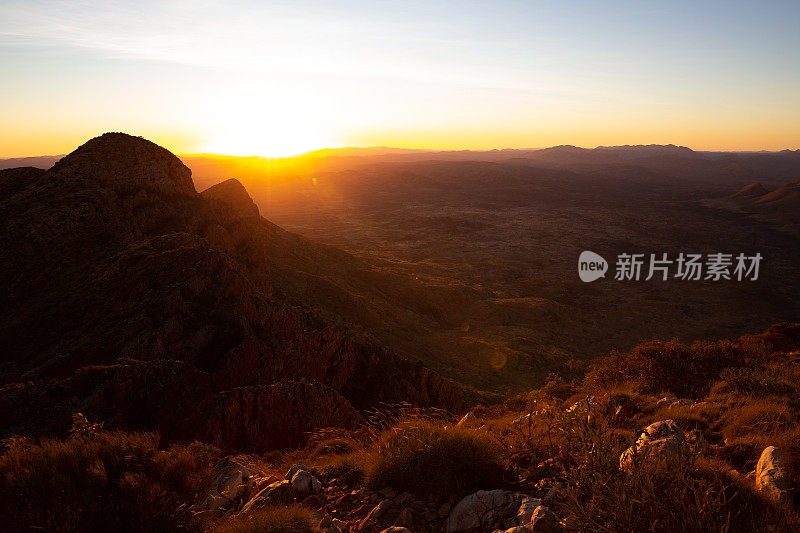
(233, 193)
(131, 297)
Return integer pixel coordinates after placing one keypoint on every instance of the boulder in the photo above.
(771, 475)
(338, 526)
(278, 493)
(526, 510)
(304, 484)
(661, 440)
(293, 470)
(230, 485)
(403, 500)
(479, 509)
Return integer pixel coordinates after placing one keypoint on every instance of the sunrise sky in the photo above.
(280, 78)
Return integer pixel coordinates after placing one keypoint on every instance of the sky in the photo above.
(280, 78)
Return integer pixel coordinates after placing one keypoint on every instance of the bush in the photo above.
(100, 481)
(685, 493)
(689, 495)
(284, 519)
(424, 458)
(557, 388)
(757, 418)
(756, 382)
(686, 370)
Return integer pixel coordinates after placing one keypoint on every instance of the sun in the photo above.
(247, 140)
(267, 124)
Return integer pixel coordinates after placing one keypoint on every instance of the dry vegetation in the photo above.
(744, 396)
(279, 519)
(101, 481)
(427, 459)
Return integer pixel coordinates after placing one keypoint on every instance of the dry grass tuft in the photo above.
(283, 519)
(425, 458)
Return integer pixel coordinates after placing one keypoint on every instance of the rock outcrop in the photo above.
(269, 417)
(126, 165)
(662, 440)
(132, 298)
(771, 475)
(233, 193)
(231, 485)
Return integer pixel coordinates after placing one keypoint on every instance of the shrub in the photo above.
(683, 493)
(686, 370)
(557, 388)
(283, 519)
(100, 481)
(757, 418)
(689, 495)
(758, 382)
(427, 459)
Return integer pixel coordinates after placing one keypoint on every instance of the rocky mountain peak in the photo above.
(233, 193)
(126, 163)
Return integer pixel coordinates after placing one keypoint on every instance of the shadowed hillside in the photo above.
(121, 280)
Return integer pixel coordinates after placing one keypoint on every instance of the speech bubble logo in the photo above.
(591, 266)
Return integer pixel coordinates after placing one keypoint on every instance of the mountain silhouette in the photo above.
(134, 299)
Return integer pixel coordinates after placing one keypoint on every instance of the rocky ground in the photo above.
(614, 451)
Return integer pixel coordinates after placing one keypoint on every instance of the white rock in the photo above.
(231, 484)
(662, 439)
(304, 484)
(526, 509)
(277, 493)
(293, 470)
(478, 510)
(771, 475)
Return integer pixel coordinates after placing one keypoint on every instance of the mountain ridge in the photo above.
(130, 263)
